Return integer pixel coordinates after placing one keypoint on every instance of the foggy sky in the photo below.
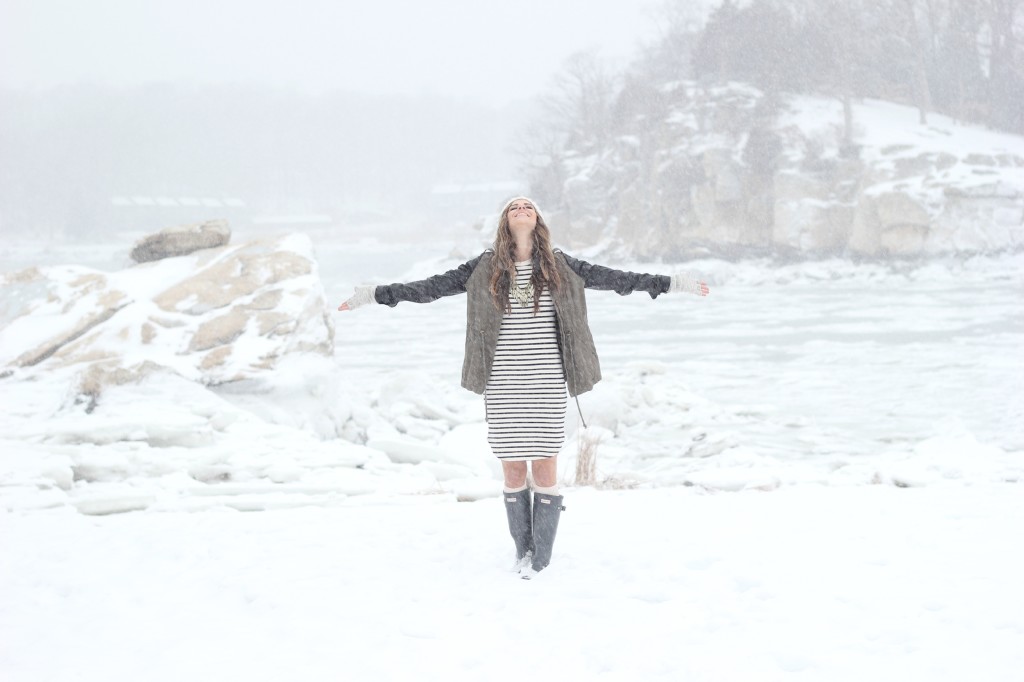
(492, 53)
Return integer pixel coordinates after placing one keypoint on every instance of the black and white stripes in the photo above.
(525, 393)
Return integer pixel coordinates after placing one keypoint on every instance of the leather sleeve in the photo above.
(429, 289)
(621, 282)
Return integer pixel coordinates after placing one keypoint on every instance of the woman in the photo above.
(527, 340)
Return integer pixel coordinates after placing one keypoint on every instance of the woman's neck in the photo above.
(524, 250)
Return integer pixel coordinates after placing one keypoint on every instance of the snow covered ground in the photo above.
(803, 583)
(825, 462)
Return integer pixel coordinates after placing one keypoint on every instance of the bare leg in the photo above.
(545, 472)
(515, 474)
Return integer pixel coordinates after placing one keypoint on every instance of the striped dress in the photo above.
(525, 395)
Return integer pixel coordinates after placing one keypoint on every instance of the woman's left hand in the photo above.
(689, 285)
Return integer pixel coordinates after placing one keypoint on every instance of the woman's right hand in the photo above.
(362, 296)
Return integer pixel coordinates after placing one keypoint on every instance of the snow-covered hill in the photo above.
(726, 172)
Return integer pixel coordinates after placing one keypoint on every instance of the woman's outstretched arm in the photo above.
(623, 282)
(424, 291)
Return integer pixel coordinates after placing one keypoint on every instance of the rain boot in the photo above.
(546, 510)
(520, 525)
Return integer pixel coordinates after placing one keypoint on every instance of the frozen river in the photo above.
(804, 358)
(824, 361)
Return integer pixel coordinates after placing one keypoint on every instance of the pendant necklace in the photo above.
(522, 294)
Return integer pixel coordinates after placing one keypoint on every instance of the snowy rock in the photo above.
(45, 311)
(220, 315)
(718, 202)
(891, 223)
(100, 375)
(724, 173)
(898, 209)
(181, 240)
(812, 213)
(994, 212)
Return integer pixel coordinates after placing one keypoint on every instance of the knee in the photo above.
(515, 476)
(545, 476)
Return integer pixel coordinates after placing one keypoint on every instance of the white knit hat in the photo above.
(508, 203)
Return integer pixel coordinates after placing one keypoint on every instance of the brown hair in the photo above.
(503, 271)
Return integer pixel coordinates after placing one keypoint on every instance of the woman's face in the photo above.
(522, 216)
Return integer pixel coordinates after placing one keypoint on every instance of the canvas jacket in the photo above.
(483, 322)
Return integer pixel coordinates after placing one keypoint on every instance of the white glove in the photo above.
(687, 284)
(362, 296)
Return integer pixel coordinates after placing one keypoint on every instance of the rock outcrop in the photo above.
(726, 174)
(181, 241)
(217, 315)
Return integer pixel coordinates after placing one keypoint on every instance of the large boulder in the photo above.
(904, 223)
(181, 241)
(889, 223)
(214, 316)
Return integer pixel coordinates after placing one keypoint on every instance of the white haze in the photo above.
(493, 53)
(354, 111)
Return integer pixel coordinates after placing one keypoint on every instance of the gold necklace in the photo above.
(522, 294)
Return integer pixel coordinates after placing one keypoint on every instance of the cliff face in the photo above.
(724, 172)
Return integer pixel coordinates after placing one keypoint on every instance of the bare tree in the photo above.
(905, 12)
(841, 25)
(580, 101)
(1005, 63)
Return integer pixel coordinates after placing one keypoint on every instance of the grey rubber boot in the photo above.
(546, 510)
(520, 521)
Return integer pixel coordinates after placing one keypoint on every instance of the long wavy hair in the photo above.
(503, 272)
